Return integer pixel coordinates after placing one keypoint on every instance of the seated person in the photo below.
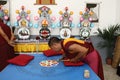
(78, 50)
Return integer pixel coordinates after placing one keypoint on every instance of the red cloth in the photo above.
(21, 60)
(51, 52)
(68, 63)
(6, 51)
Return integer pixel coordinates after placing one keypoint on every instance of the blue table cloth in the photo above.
(33, 71)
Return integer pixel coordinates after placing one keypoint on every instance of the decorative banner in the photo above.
(45, 2)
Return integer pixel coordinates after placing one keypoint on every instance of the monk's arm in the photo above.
(79, 56)
(80, 50)
(4, 35)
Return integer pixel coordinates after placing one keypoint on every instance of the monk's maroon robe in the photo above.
(6, 51)
(92, 58)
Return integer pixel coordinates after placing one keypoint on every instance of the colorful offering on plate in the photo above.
(49, 63)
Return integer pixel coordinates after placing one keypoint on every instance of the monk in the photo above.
(6, 44)
(79, 50)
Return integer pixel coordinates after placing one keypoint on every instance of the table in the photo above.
(33, 71)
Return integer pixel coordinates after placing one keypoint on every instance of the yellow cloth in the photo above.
(30, 47)
(73, 39)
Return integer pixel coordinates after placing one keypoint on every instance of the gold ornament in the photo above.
(6, 11)
(91, 12)
(28, 11)
(39, 12)
(81, 13)
(71, 12)
(17, 11)
(60, 12)
(49, 12)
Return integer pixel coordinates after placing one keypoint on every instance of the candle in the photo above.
(86, 73)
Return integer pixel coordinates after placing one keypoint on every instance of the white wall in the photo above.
(118, 11)
(108, 12)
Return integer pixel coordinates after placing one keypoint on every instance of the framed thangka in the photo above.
(94, 9)
(45, 2)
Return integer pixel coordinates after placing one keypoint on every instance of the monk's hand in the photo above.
(61, 59)
(11, 43)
